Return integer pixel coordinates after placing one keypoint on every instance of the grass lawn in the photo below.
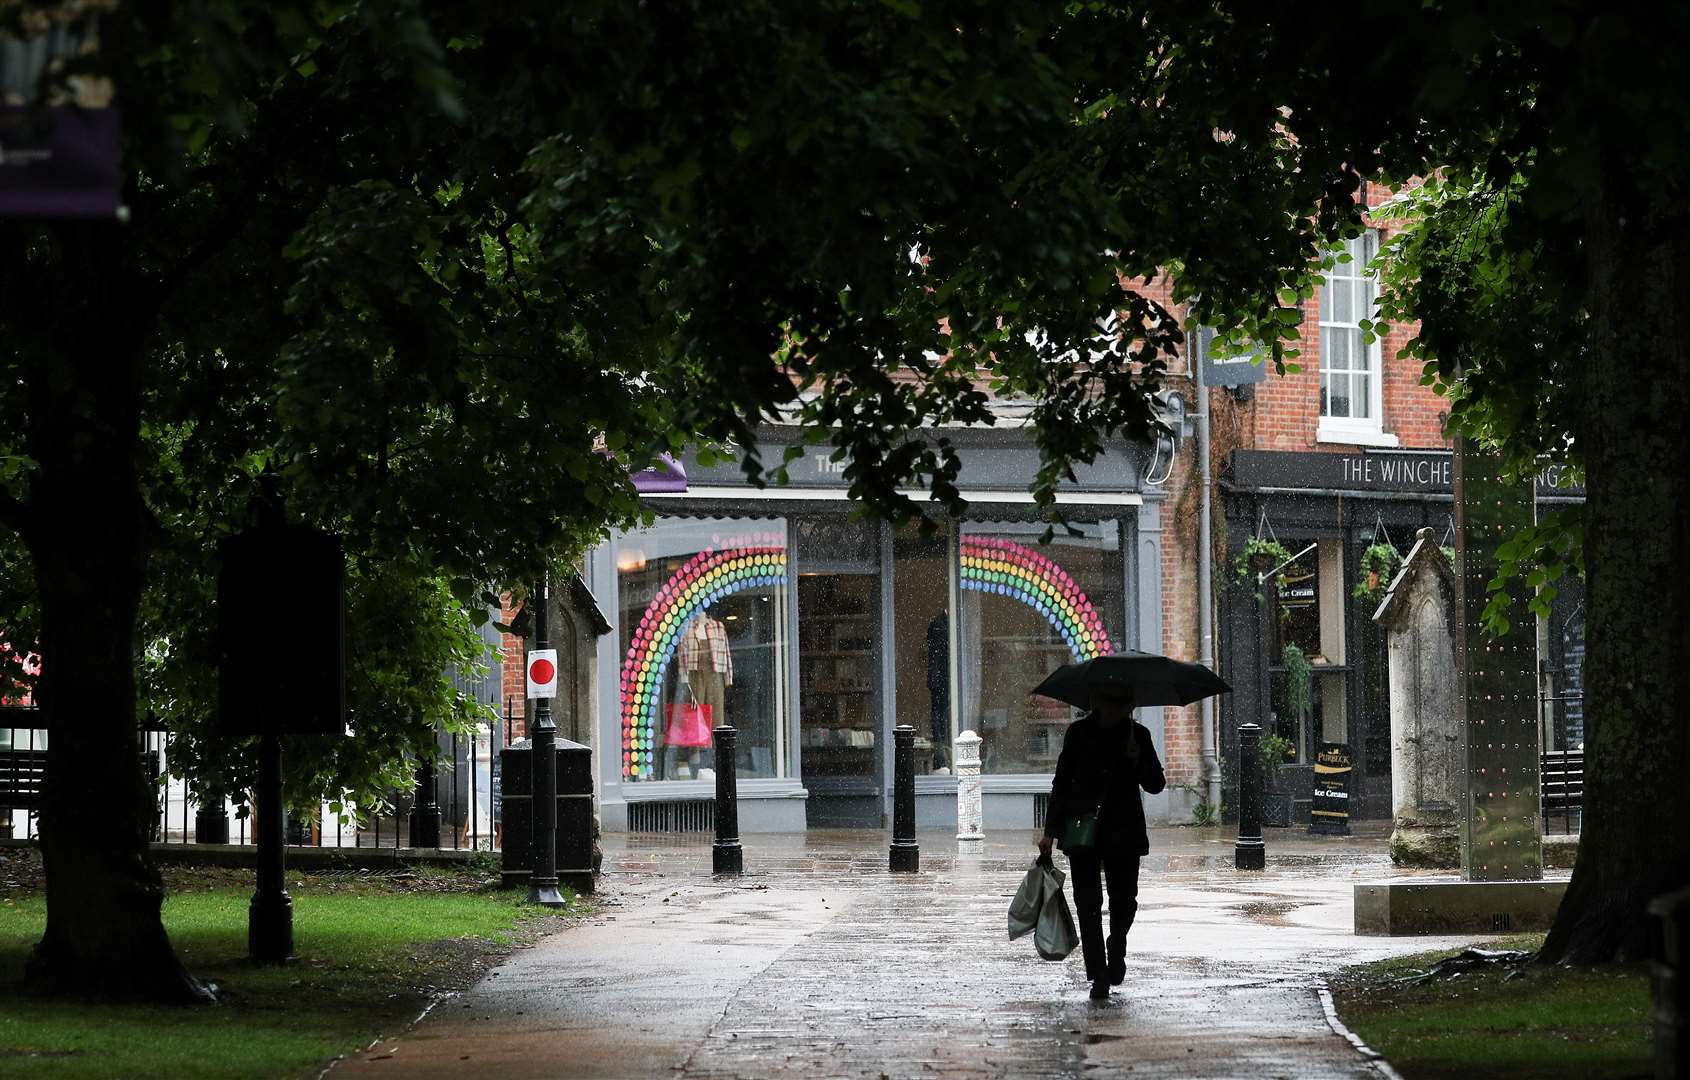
(1546, 1022)
(371, 952)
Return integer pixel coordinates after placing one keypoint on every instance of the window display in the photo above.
(703, 608)
(1026, 609)
(921, 618)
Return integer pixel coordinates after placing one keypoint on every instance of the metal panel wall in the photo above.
(1501, 835)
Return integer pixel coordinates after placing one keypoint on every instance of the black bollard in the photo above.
(211, 820)
(269, 927)
(1250, 853)
(726, 856)
(905, 856)
(425, 811)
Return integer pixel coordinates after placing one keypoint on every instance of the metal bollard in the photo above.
(906, 854)
(970, 820)
(211, 821)
(1249, 853)
(1669, 944)
(726, 856)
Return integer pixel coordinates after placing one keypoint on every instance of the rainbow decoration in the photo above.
(704, 579)
(1017, 571)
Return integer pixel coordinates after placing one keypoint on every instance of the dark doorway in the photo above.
(839, 673)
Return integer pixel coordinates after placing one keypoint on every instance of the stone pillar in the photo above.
(1419, 618)
(970, 820)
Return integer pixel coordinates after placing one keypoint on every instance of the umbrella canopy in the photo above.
(1150, 679)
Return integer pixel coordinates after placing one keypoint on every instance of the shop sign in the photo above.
(1417, 471)
(998, 467)
(1237, 369)
(1330, 812)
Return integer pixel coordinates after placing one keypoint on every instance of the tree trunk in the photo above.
(1637, 669)
(87, 533)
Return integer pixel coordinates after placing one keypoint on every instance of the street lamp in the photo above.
(542, 883)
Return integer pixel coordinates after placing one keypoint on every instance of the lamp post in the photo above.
(542, 883)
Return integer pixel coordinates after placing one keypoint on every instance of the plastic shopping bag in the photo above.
(1055, 937)
(1030, 899)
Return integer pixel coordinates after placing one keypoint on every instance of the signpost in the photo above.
(281, 620)
(1330, 814)
(542, 688)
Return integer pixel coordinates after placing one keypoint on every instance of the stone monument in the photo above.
(970, 821)
(1418, 615)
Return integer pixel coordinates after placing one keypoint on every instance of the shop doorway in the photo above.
(839, 685)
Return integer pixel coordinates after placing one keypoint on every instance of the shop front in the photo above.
(814, 634)
(1306, 660)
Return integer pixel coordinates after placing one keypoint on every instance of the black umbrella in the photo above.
(1150, 679)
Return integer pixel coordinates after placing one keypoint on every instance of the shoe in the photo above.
(1117, 963)
(1100, 990)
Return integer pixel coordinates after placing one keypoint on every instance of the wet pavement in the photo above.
(818, 962)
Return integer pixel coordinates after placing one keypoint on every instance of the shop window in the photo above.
(703, 606)
(921, 586)
(1311, 603)
(1026, 609)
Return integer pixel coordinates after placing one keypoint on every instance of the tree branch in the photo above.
(212, 244)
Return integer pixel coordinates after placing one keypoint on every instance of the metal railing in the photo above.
(466, 779)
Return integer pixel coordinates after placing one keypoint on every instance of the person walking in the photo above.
(1107, 757)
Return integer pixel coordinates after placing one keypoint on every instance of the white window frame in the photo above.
(1354, 430)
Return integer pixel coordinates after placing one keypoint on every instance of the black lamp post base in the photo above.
(727, 858)
(269, 928)
(904, 858)
(1249, 855)
(545, 894)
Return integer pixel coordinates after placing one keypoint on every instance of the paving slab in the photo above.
(820, 963)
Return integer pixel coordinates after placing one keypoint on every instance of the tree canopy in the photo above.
(449, 270)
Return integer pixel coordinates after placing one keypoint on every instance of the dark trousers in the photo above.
(1087, 871)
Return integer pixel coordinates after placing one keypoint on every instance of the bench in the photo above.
(22, 772)
(1561, 776)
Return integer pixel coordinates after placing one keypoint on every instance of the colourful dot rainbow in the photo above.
(1003, 567)
(704, 579)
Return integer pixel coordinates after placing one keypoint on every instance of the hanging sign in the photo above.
(59, 138)
(542, 673)
(1330, 813)
(281, 632)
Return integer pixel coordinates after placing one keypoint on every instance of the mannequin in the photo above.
(939, 688)
(708, 666)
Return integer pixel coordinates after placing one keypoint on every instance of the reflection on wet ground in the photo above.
(818, 962)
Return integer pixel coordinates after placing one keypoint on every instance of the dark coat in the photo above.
(1095, 771)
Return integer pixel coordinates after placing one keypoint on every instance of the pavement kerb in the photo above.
(1374, 1057)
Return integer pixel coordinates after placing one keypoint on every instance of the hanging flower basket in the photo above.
(1379, 564)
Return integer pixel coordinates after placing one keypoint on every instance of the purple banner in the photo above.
(59, 162)
(664, 475)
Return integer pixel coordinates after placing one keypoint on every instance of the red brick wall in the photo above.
(516, 684)
(1286, 409)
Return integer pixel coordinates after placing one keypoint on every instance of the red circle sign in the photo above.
(541, 671)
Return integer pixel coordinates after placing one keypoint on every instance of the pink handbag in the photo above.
(689, 725)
